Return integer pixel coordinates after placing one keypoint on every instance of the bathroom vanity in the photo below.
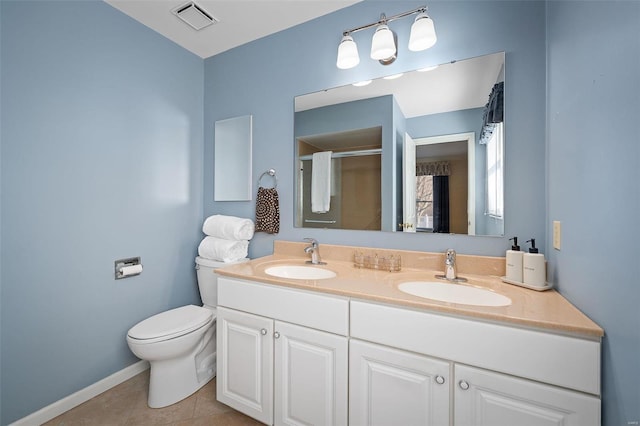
(354, 349)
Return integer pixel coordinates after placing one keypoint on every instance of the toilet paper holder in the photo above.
(129, 267)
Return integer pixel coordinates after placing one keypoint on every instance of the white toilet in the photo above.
(180, 344)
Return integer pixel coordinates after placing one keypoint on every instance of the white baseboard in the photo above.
(83, 395)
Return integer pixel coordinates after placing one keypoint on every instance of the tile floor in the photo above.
(126, 404)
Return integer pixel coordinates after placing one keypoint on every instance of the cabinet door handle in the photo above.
(463, 385)
(263, 331)
(276, 335)
(440, 380)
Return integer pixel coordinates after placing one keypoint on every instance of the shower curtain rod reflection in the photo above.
(343, 154)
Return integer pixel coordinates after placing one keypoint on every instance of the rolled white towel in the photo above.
(228, 227)
(223, 250)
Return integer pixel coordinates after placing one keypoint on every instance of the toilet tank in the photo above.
(208, 280)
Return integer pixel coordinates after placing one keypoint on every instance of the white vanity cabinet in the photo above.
(282, 353)
(245, 363)
(294, 356)
(487, 398)
(393, 387)
(489, 374)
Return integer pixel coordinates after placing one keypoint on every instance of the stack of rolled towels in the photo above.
(227, 238)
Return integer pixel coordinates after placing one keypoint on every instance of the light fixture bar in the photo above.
(383, 20)
(384, 44)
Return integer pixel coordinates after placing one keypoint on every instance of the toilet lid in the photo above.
(173, 323)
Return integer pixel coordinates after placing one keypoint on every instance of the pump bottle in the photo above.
(514, 262)
(533, 267)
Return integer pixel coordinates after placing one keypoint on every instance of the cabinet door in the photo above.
(245, 363)
(393, 387)
(310, 376)
(484, 398)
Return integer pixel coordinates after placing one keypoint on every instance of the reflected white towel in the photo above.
(223, 250)
(228, 227)
(321, 182)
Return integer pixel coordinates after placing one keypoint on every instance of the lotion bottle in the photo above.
(514, 262)
(533, 267)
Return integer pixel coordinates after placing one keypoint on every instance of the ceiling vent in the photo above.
(195, 16)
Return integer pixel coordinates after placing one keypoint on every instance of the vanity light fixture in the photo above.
(384, 42)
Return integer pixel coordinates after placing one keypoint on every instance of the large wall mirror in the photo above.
(421, 152)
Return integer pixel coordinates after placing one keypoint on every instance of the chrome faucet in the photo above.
(314, 250)
(450, 269)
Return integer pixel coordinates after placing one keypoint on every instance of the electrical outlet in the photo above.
(557, 237)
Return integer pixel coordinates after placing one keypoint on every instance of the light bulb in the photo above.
(393, 76)
(425, 69)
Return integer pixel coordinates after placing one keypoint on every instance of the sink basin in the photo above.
(296, 272)
(454, 293)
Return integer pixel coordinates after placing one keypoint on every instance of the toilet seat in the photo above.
(171, 324)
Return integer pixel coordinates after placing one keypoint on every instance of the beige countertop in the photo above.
(545, 310)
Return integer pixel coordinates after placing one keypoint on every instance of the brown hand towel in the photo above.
(267, 211)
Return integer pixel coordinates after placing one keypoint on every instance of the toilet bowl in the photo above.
(180, 344)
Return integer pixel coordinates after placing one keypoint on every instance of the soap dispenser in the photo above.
(533, 267)
(514, 262)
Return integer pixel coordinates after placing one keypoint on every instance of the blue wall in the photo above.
(593, 163)
(101, 159)
(263, 77)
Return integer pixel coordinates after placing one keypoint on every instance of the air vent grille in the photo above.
(195, 16)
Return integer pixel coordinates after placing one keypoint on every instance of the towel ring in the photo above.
(272, 173)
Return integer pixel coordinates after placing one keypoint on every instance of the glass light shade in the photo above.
(383, 45)
(347, 53)
(423, 33)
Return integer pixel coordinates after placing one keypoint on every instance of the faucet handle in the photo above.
(313, 241)
(451, 255)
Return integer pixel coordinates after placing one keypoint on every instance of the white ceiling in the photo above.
(240, 21)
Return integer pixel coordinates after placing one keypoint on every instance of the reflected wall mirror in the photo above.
(421, 153)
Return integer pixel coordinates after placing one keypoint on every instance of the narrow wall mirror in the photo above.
(232, 159)
(421, 153)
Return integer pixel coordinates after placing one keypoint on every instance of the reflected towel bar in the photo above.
(359, 153)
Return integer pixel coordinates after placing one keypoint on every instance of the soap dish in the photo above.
(547, 286)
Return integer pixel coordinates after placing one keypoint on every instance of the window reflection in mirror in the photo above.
(420, 106)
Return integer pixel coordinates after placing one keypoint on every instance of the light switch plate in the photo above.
(557, 231)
